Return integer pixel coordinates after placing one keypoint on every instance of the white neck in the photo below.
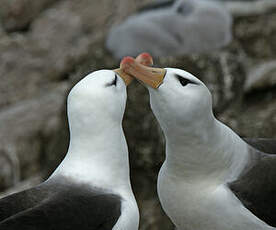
(214, 153)
(101, 160)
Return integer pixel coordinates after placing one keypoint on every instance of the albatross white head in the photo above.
(95, 105)
(182, 105)
(179, 100)
(98, 152)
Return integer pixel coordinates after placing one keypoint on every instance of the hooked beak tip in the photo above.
(127, 79)
(130, 67)
(148, 75)
(145, 59)
(126, 61)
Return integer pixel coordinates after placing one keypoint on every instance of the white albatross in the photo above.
(211, 179)
(91, 188)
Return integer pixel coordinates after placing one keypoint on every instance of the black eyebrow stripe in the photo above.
(190, 81)
(114, 82)
(157, 5)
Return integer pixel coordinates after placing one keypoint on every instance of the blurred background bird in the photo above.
(173, 28)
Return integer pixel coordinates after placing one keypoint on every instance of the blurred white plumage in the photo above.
(173, 28)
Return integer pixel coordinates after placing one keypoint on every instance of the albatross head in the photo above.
(181, 102)
(97, 102)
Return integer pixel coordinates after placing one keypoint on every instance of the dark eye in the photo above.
(185, 9)
(113, 83)
(184, 81)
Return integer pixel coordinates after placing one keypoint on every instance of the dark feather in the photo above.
(65, 206)
(265, 145)
(157, 5)
(21, 201)
(256, 187)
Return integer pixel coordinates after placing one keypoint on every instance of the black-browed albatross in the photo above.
(211, 179)
(91, 188)
(172, 28)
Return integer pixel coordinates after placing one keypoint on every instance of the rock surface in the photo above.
(262, 76)
(64, 40)
(17, 15)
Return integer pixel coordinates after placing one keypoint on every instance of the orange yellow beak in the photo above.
(149, 75)
(127, 78)
(143, 59)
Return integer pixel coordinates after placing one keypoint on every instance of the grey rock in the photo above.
(261, 76)
(256, 117)
(18, 14)
(23, 185)
(59, 40)
(240, 8)
(7, 172)
(24, 125)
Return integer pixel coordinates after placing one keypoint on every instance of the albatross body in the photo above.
(91, 187)
(172, 28)
(211, 178)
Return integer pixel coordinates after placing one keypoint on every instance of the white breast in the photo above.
(129, 219)
(201, 207)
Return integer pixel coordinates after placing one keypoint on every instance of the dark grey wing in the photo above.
(18, 202)
(157, 5)
(70, 209)
(265, 145)
(256, 188)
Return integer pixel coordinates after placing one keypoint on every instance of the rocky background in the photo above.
(46, 46)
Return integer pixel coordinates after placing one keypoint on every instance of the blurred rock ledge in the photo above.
(27, 126)
(16, 15)
(25, 184)
(261, 77)
(240, 8)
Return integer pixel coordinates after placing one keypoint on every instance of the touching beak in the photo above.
(144, 59)
(149, 75)
(127, 79)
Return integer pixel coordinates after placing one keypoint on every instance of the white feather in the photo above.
(202, 156)
(98, 153)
